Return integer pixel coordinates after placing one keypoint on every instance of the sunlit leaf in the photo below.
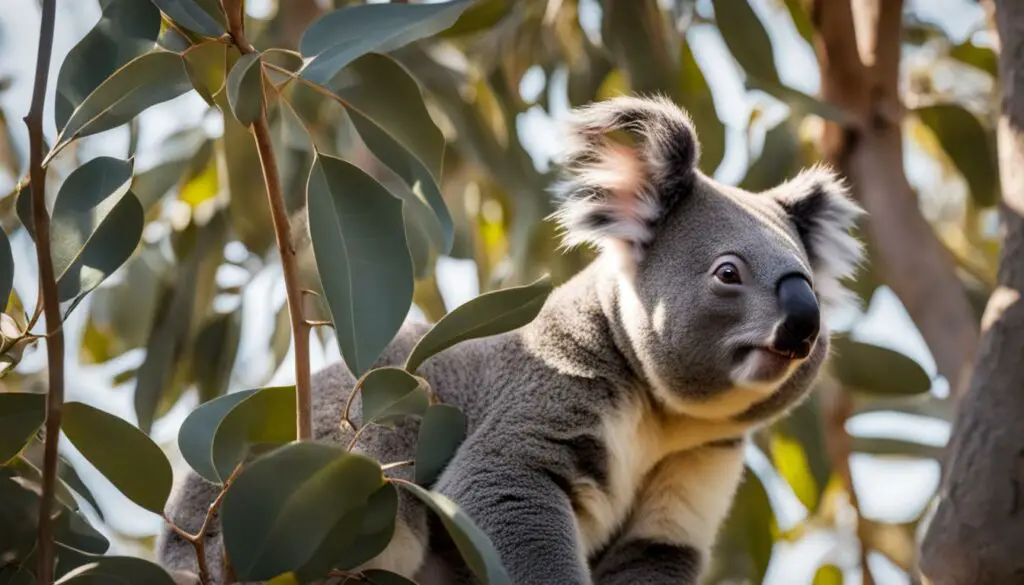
(982, 58)
(206, 65)
(474, 546)
(488, 314)
(21, 415)
(828, 575)
(148, 80)
(359, 242)
(389, 394)
(876, 370)
(245, 88)
(265, 418)
(122, 453)
(201, 180)
(801, 19)
(442, 430)
(119, 570)
(338, 38)
(481, 15)
(126, 29)
(202, 17)
(746, 38)
(792, 464)
(968, 145)
(176, 151)
(284, 504)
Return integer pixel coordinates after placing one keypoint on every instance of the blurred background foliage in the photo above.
(199, 308)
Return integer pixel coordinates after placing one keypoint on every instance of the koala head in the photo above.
(718, 291)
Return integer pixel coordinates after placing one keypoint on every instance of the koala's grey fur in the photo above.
(606, 438)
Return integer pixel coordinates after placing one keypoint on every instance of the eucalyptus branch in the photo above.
(48, 294)
(282, 231)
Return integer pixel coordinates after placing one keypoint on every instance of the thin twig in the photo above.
(320, 323)
(282, 231)
(48, 293)
(397, 464)
(346, 414)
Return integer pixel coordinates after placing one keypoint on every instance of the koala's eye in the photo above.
(727, 273)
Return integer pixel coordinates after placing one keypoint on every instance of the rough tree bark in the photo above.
(860, 73)
(977, 533)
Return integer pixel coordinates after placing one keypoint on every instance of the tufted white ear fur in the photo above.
(819, 205)
(613, 195)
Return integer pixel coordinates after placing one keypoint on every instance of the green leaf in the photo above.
(206, 65)
(202, 17)
(121, 452)
(982, 58)
(801, 103)
(282, 506)
(488, 314)
(895, 447)
(780, 157)
(245, 88)
(359, 242)
(693, 92)
(195, 437)
(480, 16)
(441, 432)
(474, 546)
(338, 38)
(746, 38)
(69, 476)
(389, 394)
(801, 20)
(968, 146)
(828, 575)
(21, 415)
(803, 427)
(6, 267)
(792, 464)
(382, 577)
(148, 80)
(877, 370)
(126, 29)
(103, 570)
(263, 419)
(97, 224)
(216, 346)
(750, 528)
(177, 152)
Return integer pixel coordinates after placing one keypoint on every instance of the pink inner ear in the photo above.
(620, 171)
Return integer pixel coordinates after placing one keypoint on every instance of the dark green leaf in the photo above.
(474, 546)
(441, 432)
(359, 242)
(780, 158)
(982, 58)
(746, 38)
(126, 29)
(6, 266)
(480, 16)
(202, 17)
(801, 20)
(694, 94)
(338, 38)
(877, 370)
(121, 452)
(283, 505)
(898, 447)
(391, 393)
(195, 437)
(97, 223)
(69, 476)
(103, 570)
(804, 427)
(749, 528)
(216, 347)
(206, 65)
(488, 314)
(968, 145)
(382, 577)
(265, 418)
(148, 80)
(21, 415)
(23, 207)
(245, 88)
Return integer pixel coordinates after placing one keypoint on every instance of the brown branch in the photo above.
(283, 233)
(48, 288)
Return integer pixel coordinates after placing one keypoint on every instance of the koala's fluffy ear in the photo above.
(614, 193)
(819, 205)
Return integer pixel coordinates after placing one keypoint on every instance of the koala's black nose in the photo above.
(801, 318)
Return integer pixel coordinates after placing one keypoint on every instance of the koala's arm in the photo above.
(518, 500)
(669, 537)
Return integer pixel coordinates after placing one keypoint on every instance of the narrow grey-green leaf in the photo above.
(801, 103)
(126, 29)
(779, 159)
(206, 66)
(216, 347)
(358, 236)
(746, 38)
(877, 370)
(202, 17)
(475, 547)
(21, 415)
(121, 452)
(442, 430)
(245, 88)
(104, 570)
(969, 147)
(391, 393)
(265, 418)
(488, 314)
(145, 81)
(283, 505)
(97, 223)
(337, 38)
(70, 478)
(6, 267)
(195, 437)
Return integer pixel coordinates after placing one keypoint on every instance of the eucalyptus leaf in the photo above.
(338, 38)
(202, 17)
(70, 478)
(779, 160)
(746, 38)
(21, 415)
(828, 575)
(877, 370)
(283, 505)
(488, 314)
(982, 58)
(216, 345)
(389, 394)
(359, 242)
(6, 267)
(750, 527)
(265, 418)
(382, 577)
(245, 88)
(195, 437)
(442, 430)
(206, 65)
(103, 570)
(968, 145)
(121, 452)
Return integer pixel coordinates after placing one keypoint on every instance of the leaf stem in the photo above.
(282, 231)
(48, 294)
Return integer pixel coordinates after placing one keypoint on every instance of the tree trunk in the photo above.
(976, 536)
(859, 55)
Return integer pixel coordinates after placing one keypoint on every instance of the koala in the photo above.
(606, 438)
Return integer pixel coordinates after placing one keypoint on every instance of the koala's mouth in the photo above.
(759, 365)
